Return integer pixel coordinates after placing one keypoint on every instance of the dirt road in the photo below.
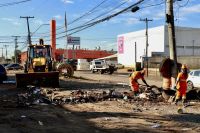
(118, 116)
(118, 77)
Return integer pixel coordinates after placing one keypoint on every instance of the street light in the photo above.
(38, 28)
(134, 9)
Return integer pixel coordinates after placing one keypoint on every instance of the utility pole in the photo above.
(147, 44)
(15, 52)
(66, 36)
(135, 56)
(135, 52)
(6, 52)
(29, 33)
(2, 53)
(172, 42)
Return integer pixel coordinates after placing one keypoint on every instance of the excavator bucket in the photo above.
(40, 79)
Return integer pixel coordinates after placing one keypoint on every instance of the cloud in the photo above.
(7, 19)
(131, 21)
(159, 16)
(190, 10)
(123, 20)
(59, 17)
(68, 1)
(129, 1)
(13, 21)
(16, 23)
(38, 22)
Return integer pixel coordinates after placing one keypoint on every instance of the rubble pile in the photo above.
(36, 95)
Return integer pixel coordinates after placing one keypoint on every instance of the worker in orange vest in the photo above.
(134, 80)
(181, 84)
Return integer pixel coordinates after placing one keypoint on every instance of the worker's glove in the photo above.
(174, 88)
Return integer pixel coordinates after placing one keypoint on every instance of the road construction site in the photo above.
(93, 103)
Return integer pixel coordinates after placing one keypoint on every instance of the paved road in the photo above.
(120, 78)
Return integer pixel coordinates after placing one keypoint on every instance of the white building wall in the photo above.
(156, 41)
(187, 42)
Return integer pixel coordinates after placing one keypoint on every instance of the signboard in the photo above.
(73, 40)
(120, 45)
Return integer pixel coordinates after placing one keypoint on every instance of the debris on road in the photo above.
(44, 96)
(23, 116)
(40, 123)
(180, 111)
(156, 126)
(36, 95)
(9, 82)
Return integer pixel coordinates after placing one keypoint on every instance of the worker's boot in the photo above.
(176, 101)
(184, 102)
(136, 93)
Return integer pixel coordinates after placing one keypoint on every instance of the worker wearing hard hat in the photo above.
(134, 80)
(181, 84)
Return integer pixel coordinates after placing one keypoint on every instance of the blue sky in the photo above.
(186, 12)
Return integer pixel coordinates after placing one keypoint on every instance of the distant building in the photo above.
(2, 60)
(60, 54)
(187, 44)
(81, 54)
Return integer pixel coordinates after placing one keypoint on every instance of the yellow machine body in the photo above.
(39, 69)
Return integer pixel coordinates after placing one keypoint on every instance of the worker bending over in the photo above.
(181, 84)
(134, 80)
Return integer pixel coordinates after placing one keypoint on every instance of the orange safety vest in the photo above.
(137, 75)
(182, 81)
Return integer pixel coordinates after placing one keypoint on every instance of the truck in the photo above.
(83, 64)
(101, 66)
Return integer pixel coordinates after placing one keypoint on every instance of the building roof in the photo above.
(109, 57)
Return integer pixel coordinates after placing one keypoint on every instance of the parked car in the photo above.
(14, 66)
(193, 80)
(119, 66)
(3, 73)
(101, 66)
(5, 64)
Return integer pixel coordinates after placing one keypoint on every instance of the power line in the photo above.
(13, 3)
(29, 33)
(6, 42)
(102, 20)
(89, 12)
(116, 7)
(90, 23)
(183, 4)
(147, 43)
(73, 21)
(152, 5)
(87, 24)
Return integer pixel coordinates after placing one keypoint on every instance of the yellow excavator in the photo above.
(39, 68)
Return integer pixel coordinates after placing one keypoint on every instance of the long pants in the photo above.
(181, 92)
(134, 86)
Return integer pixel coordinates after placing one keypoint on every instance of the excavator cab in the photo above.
(40, 59)
(38, 68)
